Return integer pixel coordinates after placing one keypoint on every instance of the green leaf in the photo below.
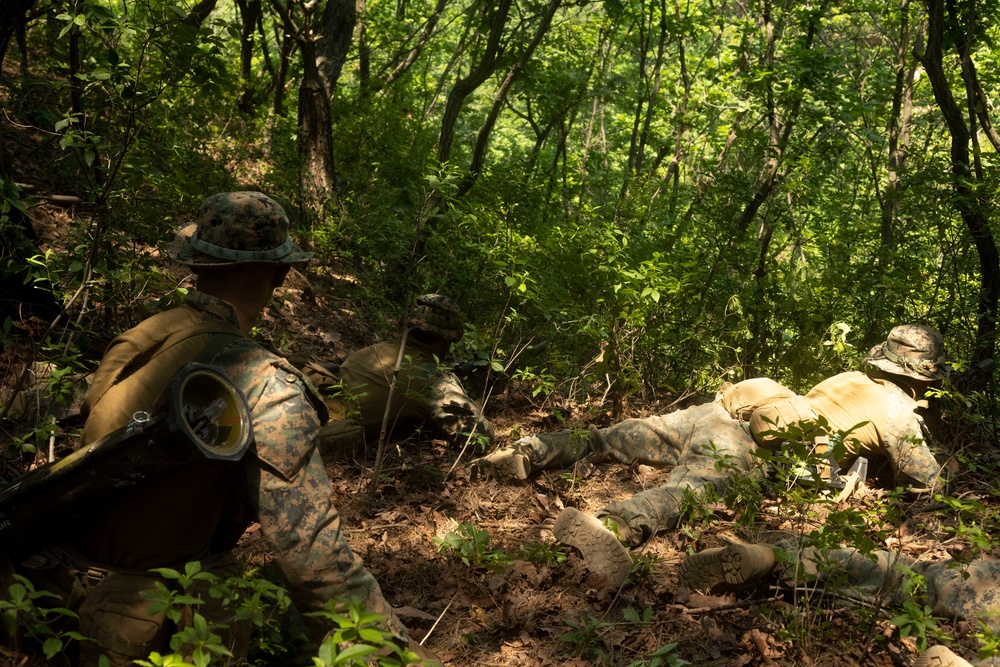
(355, 652)
(52, 647)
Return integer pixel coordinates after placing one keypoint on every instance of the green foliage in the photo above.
(546, 554)
(585, 637)
(918, 621)
(30, 442)
(989, 642)
(662, 657)
(541, 382)
(588, 640)
(358, 638)
(642, 566)
(23, 617)
(472, 546)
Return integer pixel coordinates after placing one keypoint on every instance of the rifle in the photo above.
(200, 408)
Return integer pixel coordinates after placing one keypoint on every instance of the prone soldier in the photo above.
(410, 372)
(884, 401)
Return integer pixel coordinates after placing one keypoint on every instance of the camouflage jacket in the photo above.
(283, 484)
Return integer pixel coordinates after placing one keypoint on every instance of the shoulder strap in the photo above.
(216, 344)
(127, 358)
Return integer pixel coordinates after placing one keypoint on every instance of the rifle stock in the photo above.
(201, 416)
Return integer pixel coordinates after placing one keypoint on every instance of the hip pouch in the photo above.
(114, 614)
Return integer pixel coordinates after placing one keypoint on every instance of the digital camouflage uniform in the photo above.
(691, 440)
(955, 591)
(424, 393)
(952, 590)
(100, 563)
(694, 439)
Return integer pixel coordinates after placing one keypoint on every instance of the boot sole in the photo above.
(511, 465)
(940, 656)
(501, 465)
(732, 566)
(601, 550)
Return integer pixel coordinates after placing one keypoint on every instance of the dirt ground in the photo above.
(541, 606)
(522, 615)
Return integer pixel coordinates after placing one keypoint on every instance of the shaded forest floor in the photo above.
(538, 605)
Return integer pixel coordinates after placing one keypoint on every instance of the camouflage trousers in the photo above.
(691, 440)
(955, 591)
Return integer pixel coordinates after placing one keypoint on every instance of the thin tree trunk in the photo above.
(971, 205)
(643, 121)
(12, 18)
(398, 65)
(482, 141)
(364, 52)
(899, 130)
(286, 47)
(336, 30)
(468, 85)
(250, 16)
(318, 174)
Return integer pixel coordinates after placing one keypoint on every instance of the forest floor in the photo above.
(536, 604)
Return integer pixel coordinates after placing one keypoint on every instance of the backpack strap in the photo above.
(155, 345)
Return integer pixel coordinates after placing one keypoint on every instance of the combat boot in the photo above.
(726, 567)
(508, 462)
(940, 656)
(620, 526)
(601, 550)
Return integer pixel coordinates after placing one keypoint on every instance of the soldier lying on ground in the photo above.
(884, 401)
(100, 563)
(423, 394)
(953, 590)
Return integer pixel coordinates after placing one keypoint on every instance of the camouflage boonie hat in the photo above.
(913, 350)
(238, 228)
(438, 315)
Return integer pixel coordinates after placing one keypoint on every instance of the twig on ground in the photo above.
(739, 604)
(445, 611)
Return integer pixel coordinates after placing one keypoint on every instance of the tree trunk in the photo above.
(335, 30)
(642, 121)
(12, 16)
(482, 142)
(250, 15)
(779, 135)
(970, 205)
(364, 51)
(287, 46)
(468, 85)
(199, 13)
(899, 130)
(317, 175)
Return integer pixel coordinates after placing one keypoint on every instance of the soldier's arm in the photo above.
(453, 412)
(291, 491)
(913, 463)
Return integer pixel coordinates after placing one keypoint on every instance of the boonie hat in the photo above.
(438, 315)
(913, 350)
(238, 228)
